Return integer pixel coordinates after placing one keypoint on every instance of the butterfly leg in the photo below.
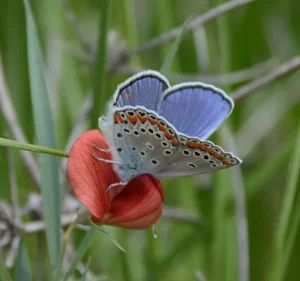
(101, 149)
(116, 184)
(105, 160)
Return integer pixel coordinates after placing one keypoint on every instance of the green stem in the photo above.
(32, 147)
(66, 238)
(99, 73)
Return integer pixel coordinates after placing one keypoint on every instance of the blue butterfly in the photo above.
(159, 129)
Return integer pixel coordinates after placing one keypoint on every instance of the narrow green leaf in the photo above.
(4, 275)
(282, 248)
(83, 277)
(23, 270)
(44, 130)
(32, 147)
(166, 67)
(113, 240)
(258, 178)
(83, 247)
(99, 75)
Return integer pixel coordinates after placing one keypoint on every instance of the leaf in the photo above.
(83, 247)
(44, 130)
(23, 270)
(102, 230)
(32, 147)
(165, 69)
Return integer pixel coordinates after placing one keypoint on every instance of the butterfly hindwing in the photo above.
(197, 157)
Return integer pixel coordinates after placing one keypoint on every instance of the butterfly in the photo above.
(153, 127)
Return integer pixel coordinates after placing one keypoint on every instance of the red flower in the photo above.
(137, 205)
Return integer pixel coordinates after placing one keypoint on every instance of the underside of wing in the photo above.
(145, 142)
(197, 157)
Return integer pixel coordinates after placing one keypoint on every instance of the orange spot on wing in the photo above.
(152, 121)
(175, 142)
(192, 144)
(213, 152)
(168, 135)
(143, 119)
(132, 119)
(202, 147)
(118, 119)
(227, 163)
(161, 127)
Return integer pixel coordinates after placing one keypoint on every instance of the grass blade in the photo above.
(165, 69)
(23, 270)
(4, 275)
(286, 217)
(83, 247)
(44, 130)
(83, 277)
(32, 147)
(113, 240)
(99, 75)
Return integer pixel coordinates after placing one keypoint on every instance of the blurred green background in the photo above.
(206, 238)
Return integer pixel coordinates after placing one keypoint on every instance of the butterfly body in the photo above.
(157, 129)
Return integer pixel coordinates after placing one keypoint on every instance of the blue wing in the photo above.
(195, 109)
(143, 89)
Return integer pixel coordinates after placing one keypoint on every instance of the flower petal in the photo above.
(90, 177)
(139, 205)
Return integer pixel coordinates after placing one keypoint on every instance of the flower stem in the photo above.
(66, 238)
(32, 147)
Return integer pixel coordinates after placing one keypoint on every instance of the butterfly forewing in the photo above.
(195, 109)
(143, 89)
